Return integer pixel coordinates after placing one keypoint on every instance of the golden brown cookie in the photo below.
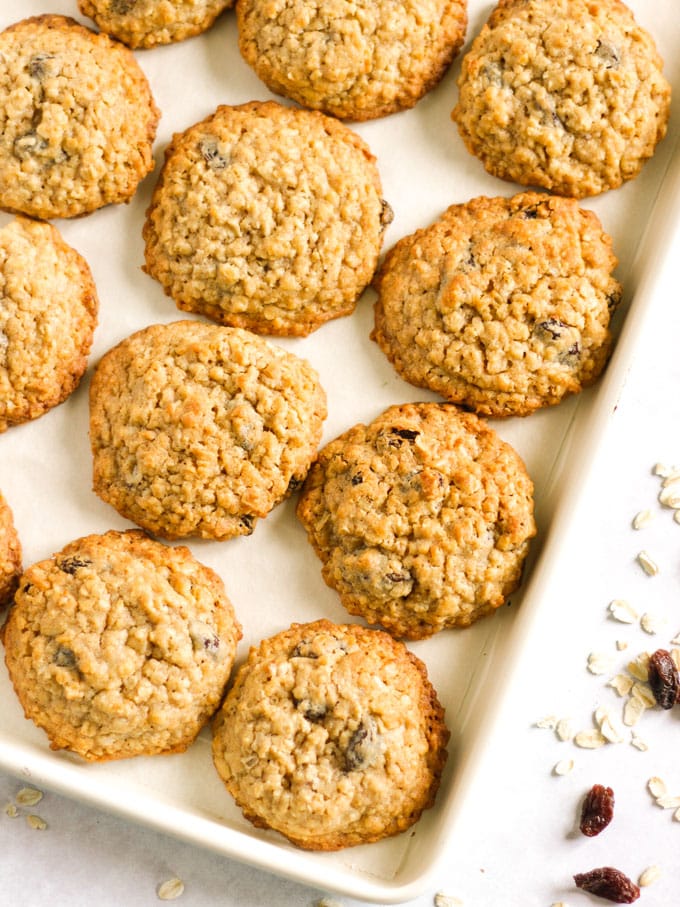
(354, 60)
(10, 554)
(120, 646)
(77, 119)
(266, 218)
(201, 430)
(568, 95)
(332, 735)
(48, 313)
(147, 23)
(502, 305)
(422, 519)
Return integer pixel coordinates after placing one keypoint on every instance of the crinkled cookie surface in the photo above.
(267, 218)
(502, 305)
(568, 95)
(354, 60)
(422, 519)
(332, 735)
(120, 646)
(10, 554)
(48, 313)
(147, 23)
(77, 119)
(198, 429)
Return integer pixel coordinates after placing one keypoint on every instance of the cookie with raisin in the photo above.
(48, 314)
(148, 23)
(266, 218)
(200, 430)
(332, 735)
(566, 95)
(77, 119)
(353, 60)
(10, 554)
(503, 305)
(120, 646)
(422, 518)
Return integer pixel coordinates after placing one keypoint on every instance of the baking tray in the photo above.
(273, 577)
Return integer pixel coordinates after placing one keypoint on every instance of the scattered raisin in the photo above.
(407, 434)
(356, 479)
(362, 747)
(551, 326)
(663, 678)
(247, 522)
(608, 883)
(39, 65)
(597, 811)
(71, 564)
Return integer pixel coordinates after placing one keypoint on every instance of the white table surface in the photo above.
(517, 843)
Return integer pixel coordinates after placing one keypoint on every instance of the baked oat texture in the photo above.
(10, 554)
(48, 313)
(332, 735)
(267, 218)
(503, 305)
(77, 119)
(200, 430)
(354, 59)
(120, 646)
(568, 95)
(147, 23)
(422, 519)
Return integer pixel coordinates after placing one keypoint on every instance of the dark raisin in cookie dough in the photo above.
(120, 646)
(332, 735)
(502, 305)
(200, 430)
(353, 60)
(77, 119)
(567, 95)
(422, 519)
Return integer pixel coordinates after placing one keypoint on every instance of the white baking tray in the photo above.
(273, 577)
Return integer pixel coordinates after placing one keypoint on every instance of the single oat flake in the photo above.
(648, 565)
(563, 767)
(642, 519)
(171, 889)
(565, 729)
(656, 786)
(649, 876)
(590, 740)
(28, 796)
(623, 611)
(600, 662)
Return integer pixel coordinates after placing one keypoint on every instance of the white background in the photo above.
(515, 841)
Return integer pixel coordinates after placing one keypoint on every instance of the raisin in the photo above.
(294, 484)
(597, 811)
(552, 326)
(209, 148)
(407, 434)
(362, 748)
(71, 564)
(663, 678)
(39, 65)
(247, 522)
(386, 213)
(204, 638)
(357, 479)
(313, 711)
(608, 883)
(65, 657)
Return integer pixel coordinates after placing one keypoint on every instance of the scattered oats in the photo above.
(623, 611)
(565, 729)
(549, 722)
(600, 662)
(11, 811)
(639, 666)
(676, 516)
(668, 802)
(657, 787)
(663, 470)
(563, 767)
(589, 740)
(675, 655)
(446, 900)
(649, 876)
(669, 495)
(36, 822)
(621, 683)
(643, 692)
(621, 644)
(633, 711)
(609, 725)
(647, 564)
(639, 743)
(28, 796)
(642, 519)
(171, 889)
(652, 623)
(672, 478)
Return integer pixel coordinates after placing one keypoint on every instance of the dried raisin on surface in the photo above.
(608, 883)
(597, 810)
(663, 678)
